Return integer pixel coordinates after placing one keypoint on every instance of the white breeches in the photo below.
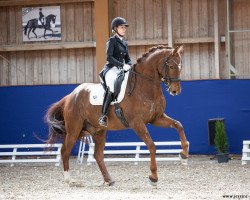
(110, 78)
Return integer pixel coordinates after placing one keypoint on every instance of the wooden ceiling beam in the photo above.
(46, 46)
(38, 2)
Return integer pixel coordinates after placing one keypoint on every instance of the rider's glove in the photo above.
(126, 67)
(119, 67)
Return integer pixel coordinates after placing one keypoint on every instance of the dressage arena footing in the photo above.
(202, 178)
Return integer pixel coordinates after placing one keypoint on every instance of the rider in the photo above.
(41, 16)
(117, 59)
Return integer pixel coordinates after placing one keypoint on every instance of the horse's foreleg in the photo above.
(142, 132)
(166, 122)
(44, 33)
(100, 139)
(49, 30)
(52, 35)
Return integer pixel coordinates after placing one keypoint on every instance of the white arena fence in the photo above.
(246, 152)
(130, 151)
(30, 153)
(83, 148)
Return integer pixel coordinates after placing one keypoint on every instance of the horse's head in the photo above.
(51, 20)
(161, 64)
(170, 70)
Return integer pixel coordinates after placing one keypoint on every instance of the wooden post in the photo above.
(216, 41)
(102, 33)
(170, 24)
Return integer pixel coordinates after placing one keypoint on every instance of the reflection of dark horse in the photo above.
(33, 24)
(73, 116)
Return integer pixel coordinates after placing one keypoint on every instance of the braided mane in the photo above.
(152, 50)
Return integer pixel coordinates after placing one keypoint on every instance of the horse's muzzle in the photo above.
(174, 93)
(174, 90)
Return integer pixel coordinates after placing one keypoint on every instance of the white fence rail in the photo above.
(246, 152)
(30, 153)
(132, 152)
(82, 148)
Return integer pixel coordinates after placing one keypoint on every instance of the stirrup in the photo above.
(103, 121)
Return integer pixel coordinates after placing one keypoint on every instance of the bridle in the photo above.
(166, 79)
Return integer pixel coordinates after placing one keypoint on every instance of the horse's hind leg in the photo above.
(142, 132)
(100, 139)
(73, 130)
(33, 30)
(165, 121)
(29, 33)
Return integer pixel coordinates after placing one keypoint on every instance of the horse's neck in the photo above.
(148, 83)
(48, 18)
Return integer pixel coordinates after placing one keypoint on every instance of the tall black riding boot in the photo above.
(106, 102)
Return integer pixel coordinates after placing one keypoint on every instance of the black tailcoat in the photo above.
(117, 52)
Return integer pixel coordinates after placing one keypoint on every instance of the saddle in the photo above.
(39, 23)
(97, 90)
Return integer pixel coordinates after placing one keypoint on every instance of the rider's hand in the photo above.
(119, 67)
(126, 67)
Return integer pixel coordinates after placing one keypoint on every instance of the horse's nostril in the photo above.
(174, 92)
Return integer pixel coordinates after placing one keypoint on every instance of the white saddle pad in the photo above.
(96, 91)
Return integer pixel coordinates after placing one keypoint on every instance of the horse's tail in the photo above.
(26, 28)
(55, 121)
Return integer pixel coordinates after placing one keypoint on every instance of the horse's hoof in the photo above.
(67, 177)
(153, 181)
(183, 159)
(111, 183)
(183, 156)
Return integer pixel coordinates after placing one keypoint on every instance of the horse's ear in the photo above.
(178, 49)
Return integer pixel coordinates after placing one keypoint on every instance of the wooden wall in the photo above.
(193, 25)
(54, 65)
(198, 24)
(241, 40)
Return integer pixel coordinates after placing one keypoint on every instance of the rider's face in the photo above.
(121, 30)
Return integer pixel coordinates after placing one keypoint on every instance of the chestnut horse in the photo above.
(73, 116)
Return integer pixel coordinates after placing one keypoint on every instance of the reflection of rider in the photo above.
(117, 59)
(41, 16)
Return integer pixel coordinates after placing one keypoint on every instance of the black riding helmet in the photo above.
(118, 21)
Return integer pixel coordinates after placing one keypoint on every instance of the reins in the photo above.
(132, 71)
(145, 77)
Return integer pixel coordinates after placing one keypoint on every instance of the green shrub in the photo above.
(220, 139)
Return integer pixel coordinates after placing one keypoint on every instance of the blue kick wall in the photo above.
(23, 108)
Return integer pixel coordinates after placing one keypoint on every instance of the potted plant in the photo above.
(221, 142)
